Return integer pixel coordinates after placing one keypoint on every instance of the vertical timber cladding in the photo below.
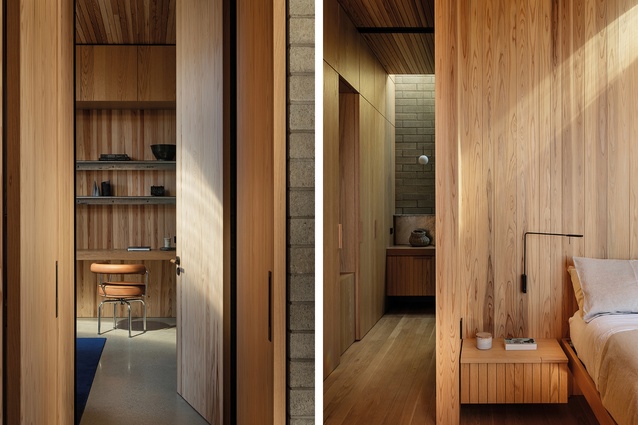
(39, 268)
(261, 214)
(533, 133)
(348, 58)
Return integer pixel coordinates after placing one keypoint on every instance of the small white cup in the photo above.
(483, 340)
(167, 242)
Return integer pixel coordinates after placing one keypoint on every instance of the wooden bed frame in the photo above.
(586, 385)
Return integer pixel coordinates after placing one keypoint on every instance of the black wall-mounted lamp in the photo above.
(524, 275)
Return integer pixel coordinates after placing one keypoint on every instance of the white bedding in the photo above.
(607, 346)
(589, 339)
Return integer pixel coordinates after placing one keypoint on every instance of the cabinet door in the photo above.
(156, 73)
(38, 209)
(108, 73)
(410, 275)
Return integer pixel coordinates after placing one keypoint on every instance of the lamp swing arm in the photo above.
(524, 275)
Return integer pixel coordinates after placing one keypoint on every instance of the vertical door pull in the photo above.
(270, 306)
(56, 289)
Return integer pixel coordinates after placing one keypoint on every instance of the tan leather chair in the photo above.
(121, 292)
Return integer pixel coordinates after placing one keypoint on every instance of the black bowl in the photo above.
(164, 152)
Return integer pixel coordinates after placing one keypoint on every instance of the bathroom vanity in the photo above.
(410, 271)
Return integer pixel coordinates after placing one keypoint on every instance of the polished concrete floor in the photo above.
(136, 379)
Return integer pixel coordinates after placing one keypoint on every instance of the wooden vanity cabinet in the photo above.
(410, 271)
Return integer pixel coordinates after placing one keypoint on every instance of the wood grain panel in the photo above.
(156, 73)
(381, 220)
(331, 306)
(401, 53)
(400, 13)
(331, 14)
(348, 50)
(367, 63)
(203, 364)
(130, 22)
(410, 276)
(108, 73)
(39, 217)
(119, 226)
(346, 285)
(548, 83)
(448, 313)
(367, 297)
(348, 181)
(261, 124)
(2, 211)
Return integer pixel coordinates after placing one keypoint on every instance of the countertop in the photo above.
(410, 250)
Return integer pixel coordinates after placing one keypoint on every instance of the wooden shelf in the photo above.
(125, 200)
(124, 165)
(125, 104)
(122, 254)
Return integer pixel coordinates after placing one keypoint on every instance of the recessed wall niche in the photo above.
(414, 103)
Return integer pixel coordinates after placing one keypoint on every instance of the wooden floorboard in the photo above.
(388, 378)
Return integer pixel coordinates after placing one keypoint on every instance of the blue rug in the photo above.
(87, 357)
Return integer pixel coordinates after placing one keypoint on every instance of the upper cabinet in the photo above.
(156, 73)
(113, 76)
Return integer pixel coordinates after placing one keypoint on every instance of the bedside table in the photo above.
(526, 376)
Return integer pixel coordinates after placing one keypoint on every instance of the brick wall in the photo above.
(301, 212)
(414, 100)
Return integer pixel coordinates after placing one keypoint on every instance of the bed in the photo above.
(604, 336)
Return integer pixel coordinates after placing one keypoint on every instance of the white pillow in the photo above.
(609, 286)
(578, 291)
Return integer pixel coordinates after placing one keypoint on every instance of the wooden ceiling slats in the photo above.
(400, 53)
(125, 21)
(403, 53)
(390, 13)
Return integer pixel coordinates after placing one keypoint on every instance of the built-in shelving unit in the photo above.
(125, 102)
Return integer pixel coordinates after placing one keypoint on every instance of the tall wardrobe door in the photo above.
(39, 206)
(260, 174)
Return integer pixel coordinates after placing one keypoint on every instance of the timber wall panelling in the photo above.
(347, 59)
(125, 73)
(38, 136)
(534, 133)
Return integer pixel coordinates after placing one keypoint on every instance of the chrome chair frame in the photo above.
(119, 300)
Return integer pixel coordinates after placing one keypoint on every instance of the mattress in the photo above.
(590, 339)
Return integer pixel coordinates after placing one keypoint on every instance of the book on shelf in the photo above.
(520, 344)
(139, 248)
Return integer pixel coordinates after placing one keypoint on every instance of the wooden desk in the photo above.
(500, 376)
(123, 255)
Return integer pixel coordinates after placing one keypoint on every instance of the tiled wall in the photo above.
(301, 212)
(414, 137)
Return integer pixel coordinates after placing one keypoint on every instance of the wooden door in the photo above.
(202, 210)
(39, 264)
(261, 171)
(212, 122)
